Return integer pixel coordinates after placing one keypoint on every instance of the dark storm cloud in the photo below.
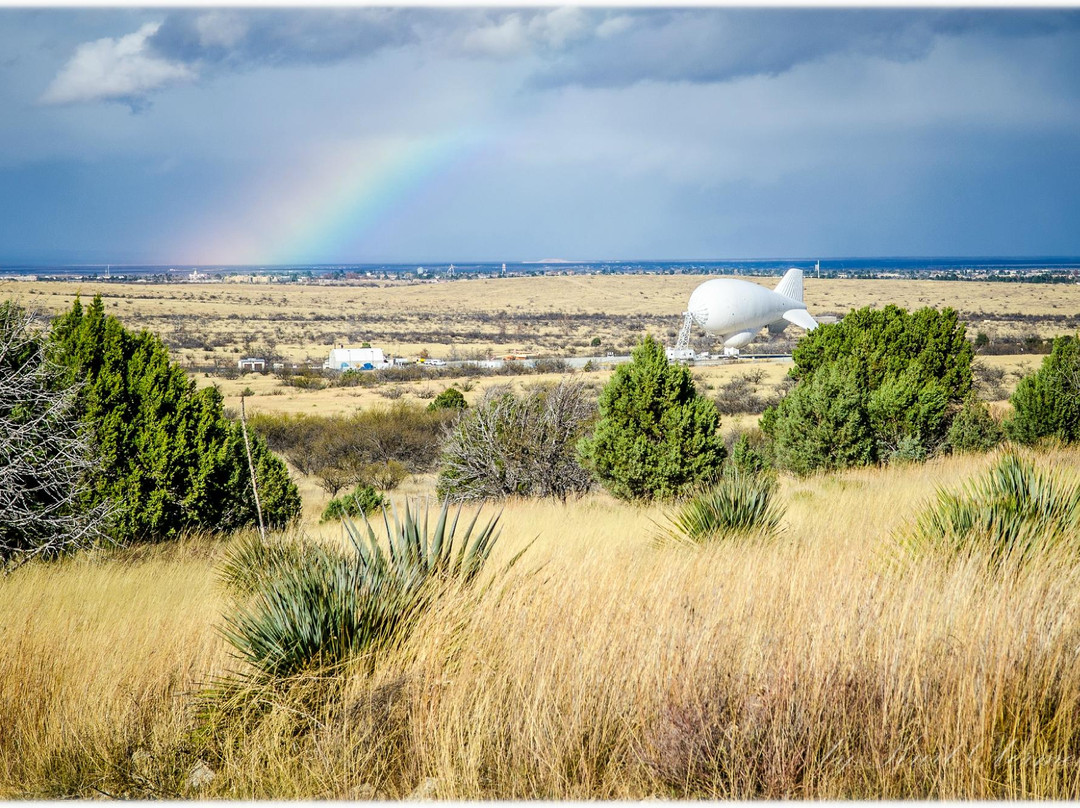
(251, 38)
(572, 46)
(720, 45)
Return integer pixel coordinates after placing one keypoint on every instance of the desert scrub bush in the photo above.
(989, 379)
(170, 460)
(305, 380)
(322, 608)
(655, 437)
(45, 457)
(738, 505)
(385, 476)
(740, 395)
(449, 399)
(1047, 403)
(361, 500)
(378, 446)
(511, 446)
(1013, 511)
(874, 387)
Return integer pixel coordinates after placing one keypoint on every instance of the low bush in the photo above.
(449, 399)
(973, 429)
(741, 395)
(749, 451)
(385, 476)
(378, 446)
(990, 380)
(361, 500)
(510, 446)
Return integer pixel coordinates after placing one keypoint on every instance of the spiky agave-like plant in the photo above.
(1013, 510)
(737, 505)
(416, 555)
(314, 615)
(320, 608)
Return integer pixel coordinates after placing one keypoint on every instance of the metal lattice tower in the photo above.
(683, 342)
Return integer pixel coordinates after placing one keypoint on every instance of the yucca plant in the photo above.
(1013, 510)
(315, 615)
(416, 555)
(250, 561)
(317, 608)
(738, 505)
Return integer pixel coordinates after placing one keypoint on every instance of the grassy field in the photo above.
(559, 315)
(267, 393)
(814, 665)
(821, 664)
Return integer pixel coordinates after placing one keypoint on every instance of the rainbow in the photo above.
(320, 210)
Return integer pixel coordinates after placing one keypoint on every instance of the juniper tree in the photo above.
(656, 437)
(879, 385)
(1047, 402)
(169, 459)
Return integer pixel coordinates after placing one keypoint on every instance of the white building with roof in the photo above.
(342, 358)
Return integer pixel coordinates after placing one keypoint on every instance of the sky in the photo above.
(365, 134)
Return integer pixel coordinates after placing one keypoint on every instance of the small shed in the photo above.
(252, 365)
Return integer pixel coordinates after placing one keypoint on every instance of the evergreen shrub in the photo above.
(878, 386)
(449, 399)
(170, 460)
(1047, 403)
(656, 437)
(361, 500)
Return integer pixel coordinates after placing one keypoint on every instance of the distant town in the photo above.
(999, 270)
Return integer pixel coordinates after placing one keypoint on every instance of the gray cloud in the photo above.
(717, 45)
(247, 38)
(593, 48)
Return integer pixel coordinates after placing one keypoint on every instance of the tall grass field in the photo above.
(828, 659)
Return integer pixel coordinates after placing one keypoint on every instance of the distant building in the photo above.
(343, 358)
(252, 365)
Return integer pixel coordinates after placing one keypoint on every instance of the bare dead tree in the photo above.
(44, 455)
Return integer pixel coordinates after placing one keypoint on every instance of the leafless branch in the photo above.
(44, 454)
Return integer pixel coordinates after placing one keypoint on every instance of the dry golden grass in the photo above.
(101, 655)
(602, 667)
(541, 314)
